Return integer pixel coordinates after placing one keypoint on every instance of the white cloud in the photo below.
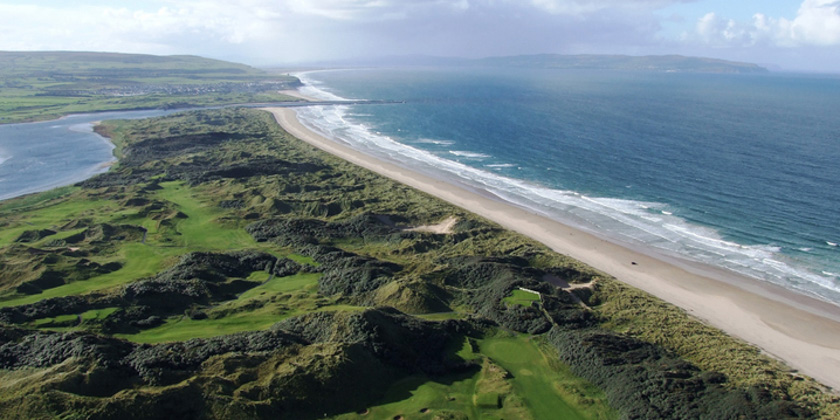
(302, 29)
(817, 23)
(716, 31)
(173, 28)
(582, 7)
(374, 10)
(274, 31)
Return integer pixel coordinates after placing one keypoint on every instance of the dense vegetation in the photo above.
(224, 269)
(46, 85)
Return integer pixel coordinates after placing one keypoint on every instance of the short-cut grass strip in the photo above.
(72, 320)
(196, 232)
(48, 216)
(140, 261)
(199, 230)
(536, 388)
(522, 297)
(256, 309)
(280, 284)
(548, 389)
(182, 328)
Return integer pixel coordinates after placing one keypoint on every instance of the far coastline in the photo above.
(801, 330)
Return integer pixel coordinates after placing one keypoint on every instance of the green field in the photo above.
(521, 297)
(79, 320)
(46, 85)
(199, 230)
(518, 378)
(256, 309)
(550, 390)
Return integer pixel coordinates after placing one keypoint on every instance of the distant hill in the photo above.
(39, 85)
(659, 63)
(655, 63)
(78, 65)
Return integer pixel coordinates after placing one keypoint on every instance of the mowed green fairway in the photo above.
(547, 387)
(521, 297)
(140, 261)
(183, 328)
(256, 309)
(198, 231)
(449, 397)
(38, 217)
(65, 322)
(543, 388)
(420, 397)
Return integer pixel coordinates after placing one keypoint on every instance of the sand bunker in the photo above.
(443, 228)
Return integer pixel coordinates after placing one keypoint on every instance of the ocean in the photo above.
(735, 171)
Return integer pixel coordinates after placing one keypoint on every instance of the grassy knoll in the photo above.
(226, 266)
(46, 85)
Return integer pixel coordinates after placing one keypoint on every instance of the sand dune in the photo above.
(802, 331)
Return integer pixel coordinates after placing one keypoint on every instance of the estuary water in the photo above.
(736, 171)
(40, 156)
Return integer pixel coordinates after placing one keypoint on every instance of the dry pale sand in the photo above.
(803, 332)
(442, 228)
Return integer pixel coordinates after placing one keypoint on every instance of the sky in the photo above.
(786, 35)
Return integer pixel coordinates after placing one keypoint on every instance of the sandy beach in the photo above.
(803, 332)
(297, 94)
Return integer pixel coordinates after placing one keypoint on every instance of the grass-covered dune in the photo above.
(223, 269)
(45, 85)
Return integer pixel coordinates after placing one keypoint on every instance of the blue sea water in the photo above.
(737, 171)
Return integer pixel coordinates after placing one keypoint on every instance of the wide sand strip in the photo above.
(802, 331)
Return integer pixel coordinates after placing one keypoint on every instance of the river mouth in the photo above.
(40, 156)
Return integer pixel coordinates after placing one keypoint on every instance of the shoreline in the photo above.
(802, 331)
(296, 94)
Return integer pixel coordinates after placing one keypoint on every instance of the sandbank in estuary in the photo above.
(801, 331)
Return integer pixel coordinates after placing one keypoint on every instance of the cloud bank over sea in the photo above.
(265, 32)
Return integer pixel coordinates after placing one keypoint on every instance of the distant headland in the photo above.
(649, 63)
(660, 63)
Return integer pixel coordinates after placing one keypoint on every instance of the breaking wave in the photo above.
(652, 224)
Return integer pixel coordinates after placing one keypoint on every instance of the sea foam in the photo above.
(650, 224)
(315, 89)
(435, 141)
(469, 155)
